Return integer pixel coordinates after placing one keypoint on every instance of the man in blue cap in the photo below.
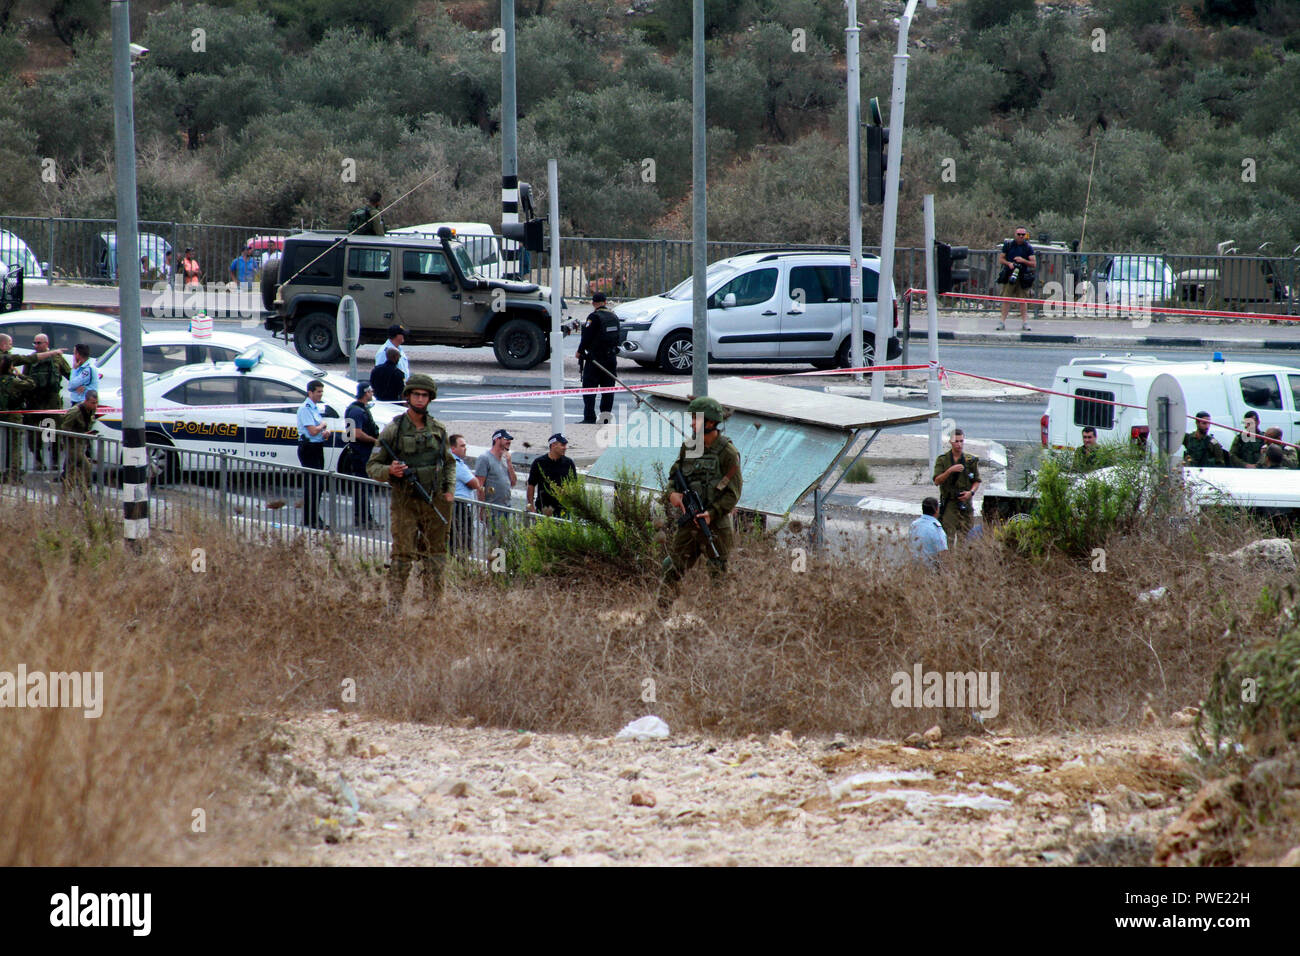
(363, 435)
(549, 472)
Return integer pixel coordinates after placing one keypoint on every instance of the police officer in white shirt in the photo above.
(312, 435)
(396, 336)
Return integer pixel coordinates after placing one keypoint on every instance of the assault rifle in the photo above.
(409, 476)
(694, 508)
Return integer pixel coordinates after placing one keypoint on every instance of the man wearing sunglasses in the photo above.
(1017, 254)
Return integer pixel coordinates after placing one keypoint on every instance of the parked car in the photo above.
(1134, 281)
(1227, 390)
(427, 285)
(168, 350)
(201, 408)
(785, 305)
(1236, 280)
(65, 327)
(16, 254)
(153, 247)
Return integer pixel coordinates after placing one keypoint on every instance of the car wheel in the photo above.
(315, 338)
(677, 353)
(844, 358)
(270, 275)
(519, 344)
(161, 463)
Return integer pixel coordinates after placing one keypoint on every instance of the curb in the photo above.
(1108, 341)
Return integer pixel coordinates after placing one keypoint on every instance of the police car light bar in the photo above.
(247, 360)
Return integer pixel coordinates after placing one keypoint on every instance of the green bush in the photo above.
(1254, 697)
(982, 14)
(1075, 514)
(859, 473)
(620, 540)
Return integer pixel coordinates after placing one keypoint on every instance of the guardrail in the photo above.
(262, 500)
(76, 249)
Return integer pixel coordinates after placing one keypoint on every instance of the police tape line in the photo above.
(1106, 307)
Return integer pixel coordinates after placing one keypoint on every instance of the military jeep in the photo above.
(429, 286)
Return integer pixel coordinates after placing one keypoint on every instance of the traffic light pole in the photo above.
(932, 390)
(699, 211)
(855, 188)
(557, 278)
(889, 225)
(135, 487)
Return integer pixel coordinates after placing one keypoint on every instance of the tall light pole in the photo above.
(889, 225)
(699, 212)
(510, 211)
(855, 187)
(135, 486)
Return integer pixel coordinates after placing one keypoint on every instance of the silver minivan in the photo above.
(775, 306)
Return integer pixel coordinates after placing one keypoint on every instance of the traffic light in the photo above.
(531, 233)
(944, 274)
(877, 143)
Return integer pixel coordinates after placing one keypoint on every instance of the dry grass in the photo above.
(189, 656)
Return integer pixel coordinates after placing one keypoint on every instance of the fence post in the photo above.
(223, 493)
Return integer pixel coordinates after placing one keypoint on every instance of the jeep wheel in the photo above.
(315, 338)
(677, 353)
(270, 275)
(519, 344)
(844, 358)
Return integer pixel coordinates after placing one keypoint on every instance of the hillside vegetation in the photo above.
(279, 113)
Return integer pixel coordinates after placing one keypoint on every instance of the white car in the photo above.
(65, 327)
(1135, 281)
(204, 408)
(16, 254)
(168, 350)
(781, 305)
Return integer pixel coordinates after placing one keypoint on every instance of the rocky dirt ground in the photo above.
(374, 793)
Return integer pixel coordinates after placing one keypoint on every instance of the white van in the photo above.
(1227, 390)
(479, 240)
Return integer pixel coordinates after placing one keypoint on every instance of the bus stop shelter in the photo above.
(791, 440)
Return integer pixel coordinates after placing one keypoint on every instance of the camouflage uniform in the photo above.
(416, 528)
(1246, 451)
(956, 516)
(48, 375)
(715, 476)
(1085, 458)
(1202, 452)
(76, 471)
(12, 389)
(1288, 459)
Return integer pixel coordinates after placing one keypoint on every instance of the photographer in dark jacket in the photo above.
(598, 345)
(1018, 262)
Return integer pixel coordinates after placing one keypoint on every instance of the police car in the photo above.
(206, 408)
(169, 350)
(65, 328)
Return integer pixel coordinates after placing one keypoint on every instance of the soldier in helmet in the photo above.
(419, 530)
(711, 466)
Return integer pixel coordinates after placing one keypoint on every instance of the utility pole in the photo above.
(855, 188)
(932, 390)
(889, 225)
(557, 335)
(135, 476)
(510, 212)
(699, 212)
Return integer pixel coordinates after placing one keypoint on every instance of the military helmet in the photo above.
(421, 381)
(710, 408)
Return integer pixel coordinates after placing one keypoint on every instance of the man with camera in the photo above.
(957, 475)
(1017, 276)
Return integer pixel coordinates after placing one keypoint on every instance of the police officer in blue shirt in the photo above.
(927, 536)
(312, 435)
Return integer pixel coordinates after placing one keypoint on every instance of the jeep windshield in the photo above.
(463, 260)
(718, 272)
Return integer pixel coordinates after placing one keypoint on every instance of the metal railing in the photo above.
(634, 268)
(84, 250)
(262, 500)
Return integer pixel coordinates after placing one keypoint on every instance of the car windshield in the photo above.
(19, 257)
(463, 260)
(719, 271)
(1142, 269)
